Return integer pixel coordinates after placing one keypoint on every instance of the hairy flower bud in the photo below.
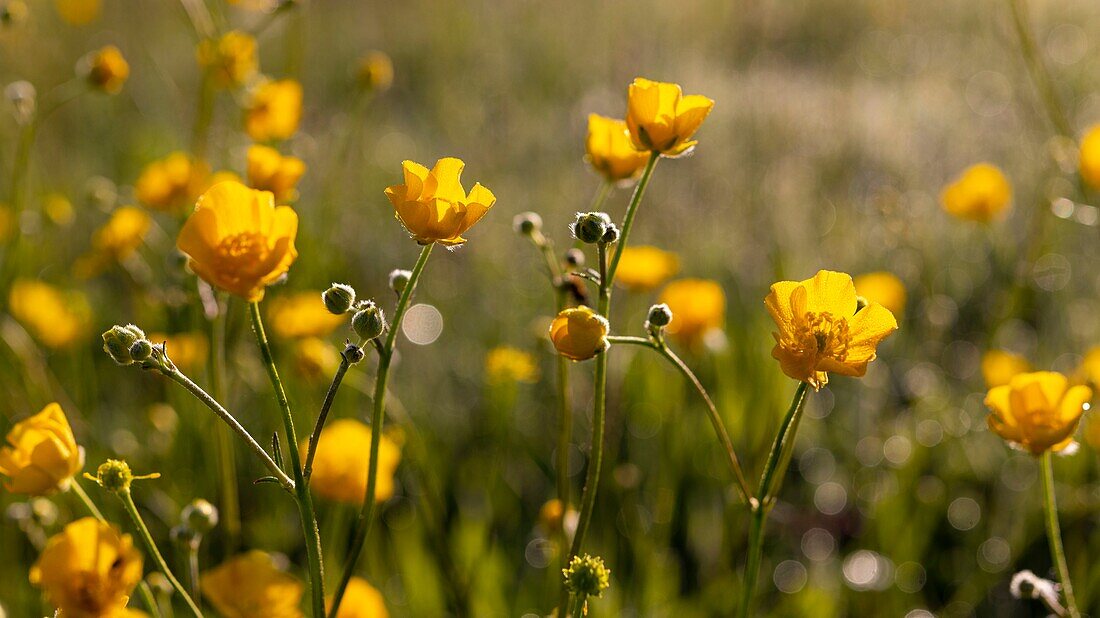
(590, 227)
(611, 236)
(527, 223)
(339, 298)
(141, 350)
(369, 321)
(118, 340)
(352, 353)
(659, 315)
(399, 279)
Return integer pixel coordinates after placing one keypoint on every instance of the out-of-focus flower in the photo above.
(230, 60)
(1037, 411)
(981, 193)
(505, 364)
(187, 350)
(57, 318)
(123, 233)
(270, 171)
(1089, 157)
(610, 151)
(433, 206)
(40, 454)
(1000, 366)
(171, 182)
(343, 460)
(58, 208)
(820, 329)
(78, 12)
(13, 13)
(375, 72)
(249, 585)
(274, 110)
(883, 288)
(315, 358)
(361, 600)
(301, 314)
(643, 267)
(698, 306)
(1089, 369)
(661, 119)
(106, 69)
(238, 241)
(88, 570)
(579, 333)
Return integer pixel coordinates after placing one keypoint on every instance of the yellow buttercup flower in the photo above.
(376, 72)
(820, 331)
(302, 314)
(343, 460)
(249, 585)
(230, 60)
(40, 455)
(187, 350)
(981, 193)
(123, 233)
(274, 110)
(1089, 157)
(57, 318)
(433, 206)
(315, 358)
(270, 171)
(661, 119)
(107, 69)
(1089, 369)
(1000, 366)
(883, 288)
(1037, 411)
(238, 241)
(171, 182)
(506, 364)
(78, 12)
(579, 333)
(698, 306)
(361, 600)
(88, 570)
(610, 150)
(642, 267)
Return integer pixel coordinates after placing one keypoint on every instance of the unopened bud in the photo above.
(118, 340)
(200, 516)
(399, 279)
(659, 315)
(590, 227)
(527, 223)
(141, 350)
(611, 236)
(368, 322)
(23, 97)
(353, 354)
(574, 258)
(339, 298)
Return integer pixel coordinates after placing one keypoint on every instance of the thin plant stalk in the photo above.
(1054, 534)
(302, 495)
(227, 457)
(322, 417)
(151, 547)
(385, 356)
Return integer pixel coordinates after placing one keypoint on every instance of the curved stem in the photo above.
(301, 489)
(770, 482)
(330, 396)
(385, 356)
(1054, 534)
(151, 547)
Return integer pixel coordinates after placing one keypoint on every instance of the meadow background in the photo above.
(836, 125)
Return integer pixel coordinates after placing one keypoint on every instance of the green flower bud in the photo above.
(659, 315)
(141, 350)
(399, 279)
(114, 475)
(339, 298)
(353, 353)
(527, 223)
(368, 322)
(200, 516)
(587, 576)
(574, 258)
(611, 236)
(590, 227)
(118, 340)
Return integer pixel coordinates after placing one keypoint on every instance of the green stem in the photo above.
(770, 482)
(631, 211)
(330, 396)
(303, 497)
(1054, 534)
(193, 568)
(601, 196)
(385, 356)
(231, 501)
(151, 547)
(1037, 69)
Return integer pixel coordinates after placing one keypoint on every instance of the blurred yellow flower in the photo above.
(643, 267)
(698, 306)
(270, 171)
(230, 59)
(187, 350)
(433, 206)
(56, 317)
(249, 585)
(107, 69)
(40, 455)
(78, 12)
(123, 233)
(505, 364)
(1089, 369)
(361, 600)
(376, 71)
(1037, 411)
(883, 288)
(171, 182)
(1089, 158)
(610, 151)
(58, 208)
(315, 358)
(579, 333)
(88, 570)
(302, 314)
(274, 110)
(981, 193)
(661, 119)
(1000, 366)
(820, 331)
(343, 461)
(238, 241)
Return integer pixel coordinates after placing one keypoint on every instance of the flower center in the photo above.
(823, 335)
(245, 246)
